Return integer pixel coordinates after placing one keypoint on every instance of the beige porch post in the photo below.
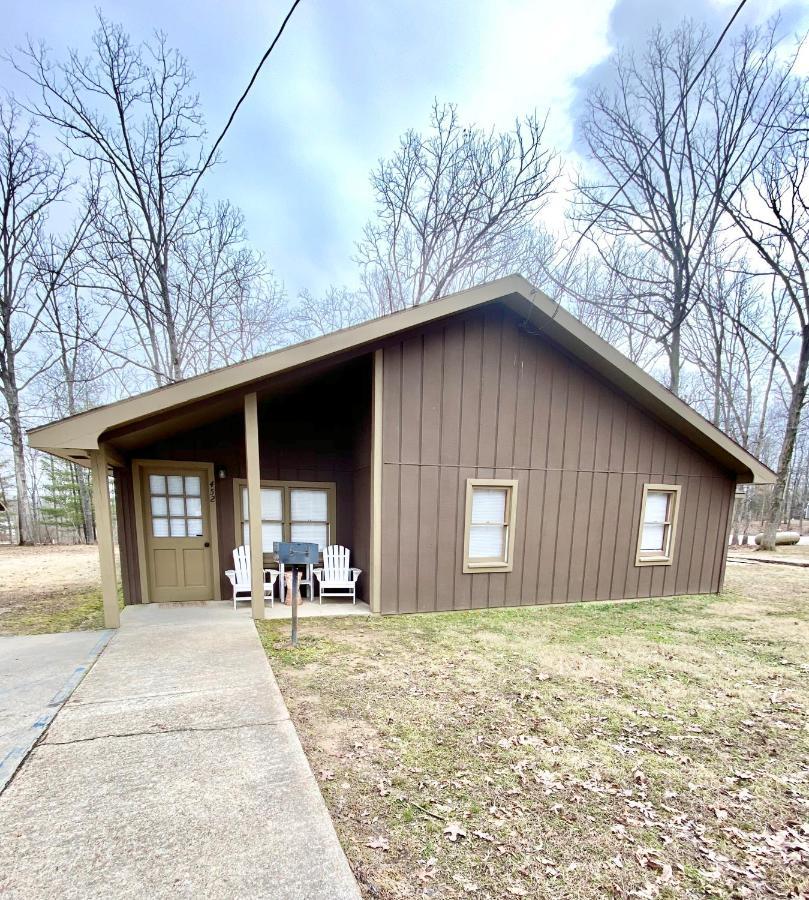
(106, 551)
(254, 504)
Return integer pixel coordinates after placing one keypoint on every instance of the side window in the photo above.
(658, 524)
(489, 528)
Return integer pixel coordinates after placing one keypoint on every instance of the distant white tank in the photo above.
(781, 537)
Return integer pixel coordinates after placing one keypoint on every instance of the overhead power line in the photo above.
(239, 102)
(570, 256)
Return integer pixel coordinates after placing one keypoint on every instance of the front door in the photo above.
(177, 529)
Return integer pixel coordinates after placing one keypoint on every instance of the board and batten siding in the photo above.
(482, 396)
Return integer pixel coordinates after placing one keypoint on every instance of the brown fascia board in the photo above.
(83, 431)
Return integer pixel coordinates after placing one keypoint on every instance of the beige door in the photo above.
(177, 529)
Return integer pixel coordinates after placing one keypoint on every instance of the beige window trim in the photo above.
(285, 486)
(481, 565)
(655, 558)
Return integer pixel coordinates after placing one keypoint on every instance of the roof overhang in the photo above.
(72, 437)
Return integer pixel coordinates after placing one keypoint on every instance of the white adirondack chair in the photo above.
(239, 576)
(336, 577)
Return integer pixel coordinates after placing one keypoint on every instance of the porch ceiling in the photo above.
(129, 438)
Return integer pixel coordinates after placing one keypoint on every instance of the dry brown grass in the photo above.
(652, 749)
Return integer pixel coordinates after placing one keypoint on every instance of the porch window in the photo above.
(272, 517)
(309, 516)
(290, 511)
(658, 522)
(489, 529)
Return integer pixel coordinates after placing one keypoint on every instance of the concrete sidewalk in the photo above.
(37, 674)
(173, 771)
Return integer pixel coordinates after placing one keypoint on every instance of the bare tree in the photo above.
(166, 265)
(772, 213)
(78, 373)
(30, 184)
(667, 143)
(453, 208)
(230, 303)
(338, 308)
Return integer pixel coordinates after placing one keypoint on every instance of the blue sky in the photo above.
(349, 76)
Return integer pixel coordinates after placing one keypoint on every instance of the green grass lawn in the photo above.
(69, 611)
(648, 749)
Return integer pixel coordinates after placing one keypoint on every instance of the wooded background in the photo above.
(685, 243)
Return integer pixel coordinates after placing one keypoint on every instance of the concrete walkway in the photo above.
(173, 771)
(37, 674)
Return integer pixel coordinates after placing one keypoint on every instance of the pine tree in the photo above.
(61, 504)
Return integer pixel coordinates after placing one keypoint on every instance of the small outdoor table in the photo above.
(309, 579)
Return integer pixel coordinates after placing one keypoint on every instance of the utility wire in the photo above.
(235, 109)
(570, 256)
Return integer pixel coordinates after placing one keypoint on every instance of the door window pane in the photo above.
(176, 506)
(157, 484)
(159, 506)
(192, 486)
(160, 527)
(193, 506)
(177, 527)
(194, 527)
(175, 483)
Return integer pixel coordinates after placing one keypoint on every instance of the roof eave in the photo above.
(83, 431)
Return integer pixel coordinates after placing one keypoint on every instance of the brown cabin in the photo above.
(482, 450)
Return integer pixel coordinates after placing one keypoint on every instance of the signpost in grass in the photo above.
(295, 553)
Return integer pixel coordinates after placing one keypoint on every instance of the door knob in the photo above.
(207, 543)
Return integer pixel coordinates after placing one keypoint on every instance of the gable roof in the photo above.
(83, 431)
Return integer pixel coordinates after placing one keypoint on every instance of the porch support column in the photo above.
(106, 551)
(254, 504)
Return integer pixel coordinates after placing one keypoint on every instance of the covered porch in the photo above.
(290, 457)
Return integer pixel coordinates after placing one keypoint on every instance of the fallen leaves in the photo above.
(454, 831)
(379, 843)
(595, 784)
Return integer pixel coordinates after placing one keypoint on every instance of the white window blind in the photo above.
(290, 513)
(309, 516)
(272, 516)
(488, 524)
(308, 505)
(656, 523)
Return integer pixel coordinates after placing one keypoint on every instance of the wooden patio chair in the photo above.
(337, 577)
(239, 576)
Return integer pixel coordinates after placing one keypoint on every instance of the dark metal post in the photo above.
(294, 601)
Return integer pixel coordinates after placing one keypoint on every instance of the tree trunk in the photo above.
(25, 514)
(674, 361)
(85, 499)
(775, 506)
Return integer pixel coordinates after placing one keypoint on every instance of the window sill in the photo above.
(484, 567)
(653, 561)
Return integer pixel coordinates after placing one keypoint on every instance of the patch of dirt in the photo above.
(32, 574)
